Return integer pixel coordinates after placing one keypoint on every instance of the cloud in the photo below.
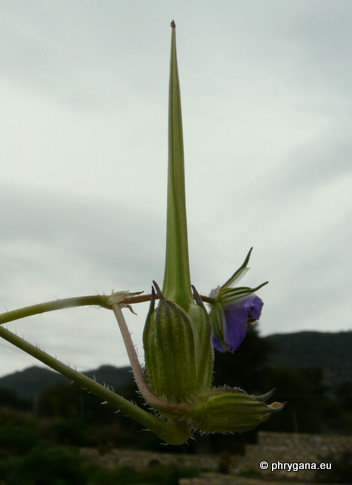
(52, 231)
(54, 248)
(266, 110)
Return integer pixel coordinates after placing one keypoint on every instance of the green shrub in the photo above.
(18, 439)
(157, 474)
(9, 398)
(44, 465)
(70, 431)
(341, 466)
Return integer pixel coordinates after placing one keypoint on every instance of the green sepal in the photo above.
(205, 351)
(229, 295)
(223, 410)
(217, 322)
(178, 349)
(170, 347)
(240, 272)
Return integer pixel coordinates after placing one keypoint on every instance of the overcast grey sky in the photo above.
(266, 97)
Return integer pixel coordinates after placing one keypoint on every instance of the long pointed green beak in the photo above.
(177, 281)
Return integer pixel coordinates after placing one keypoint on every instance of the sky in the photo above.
(266, 99)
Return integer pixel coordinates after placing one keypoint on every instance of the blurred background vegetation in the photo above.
(44, 419)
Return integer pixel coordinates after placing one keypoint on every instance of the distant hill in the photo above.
(332, 352)
(30, 382)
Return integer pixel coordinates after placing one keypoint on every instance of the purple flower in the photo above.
(232, 309)
(236, 316)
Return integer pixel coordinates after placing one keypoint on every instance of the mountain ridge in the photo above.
(330, 351)
(30, 382)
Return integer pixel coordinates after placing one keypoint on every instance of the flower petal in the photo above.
(236, 315)
(218, 345)
(236, 318)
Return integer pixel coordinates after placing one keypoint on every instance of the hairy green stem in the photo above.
(154, 401)
(77, 301)
(49, 306)
(172, 432)
(132, 355)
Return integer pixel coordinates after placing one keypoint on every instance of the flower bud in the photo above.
(230, 410)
